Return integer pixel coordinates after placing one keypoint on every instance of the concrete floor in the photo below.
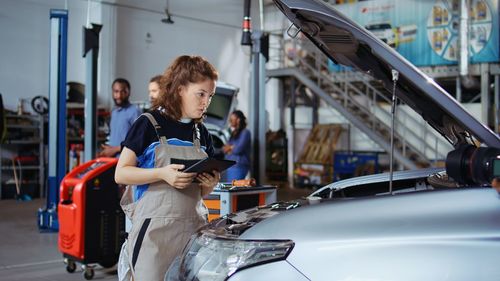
(26, 254)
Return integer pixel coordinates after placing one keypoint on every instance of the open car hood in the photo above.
(349, 44)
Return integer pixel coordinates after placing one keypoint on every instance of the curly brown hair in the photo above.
(183, 70)
(156, 79)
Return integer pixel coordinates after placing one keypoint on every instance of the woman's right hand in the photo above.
(176, 178)
(227, 148)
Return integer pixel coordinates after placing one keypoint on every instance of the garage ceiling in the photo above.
(231, 11)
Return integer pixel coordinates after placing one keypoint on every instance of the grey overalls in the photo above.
(165, 217)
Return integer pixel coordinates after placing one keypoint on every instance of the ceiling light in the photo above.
(168, 18)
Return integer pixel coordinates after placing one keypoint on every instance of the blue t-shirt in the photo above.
(241, 148)
(142, 139)
(122, 119)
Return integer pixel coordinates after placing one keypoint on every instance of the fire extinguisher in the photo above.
(73, 157)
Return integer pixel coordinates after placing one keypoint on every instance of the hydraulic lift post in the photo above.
(257, 105)
(47, 217)
(90, 52)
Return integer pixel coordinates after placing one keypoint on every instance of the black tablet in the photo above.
(204, 165)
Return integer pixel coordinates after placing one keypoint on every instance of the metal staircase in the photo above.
(365, 103)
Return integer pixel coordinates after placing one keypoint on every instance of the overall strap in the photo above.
(157, 127)
(196, 136)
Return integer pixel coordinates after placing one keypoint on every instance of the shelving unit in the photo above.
(23, 144)
(276, 156)
(314, 167)
(75, 126)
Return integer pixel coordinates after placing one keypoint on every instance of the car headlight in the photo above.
(210, 258)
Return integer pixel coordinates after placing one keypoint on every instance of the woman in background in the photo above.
(238, 147)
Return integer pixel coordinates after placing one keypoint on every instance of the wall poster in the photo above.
(427, 32)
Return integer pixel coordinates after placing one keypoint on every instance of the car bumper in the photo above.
(280, 270)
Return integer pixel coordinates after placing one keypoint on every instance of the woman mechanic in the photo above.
(165, 204)
(238, 147)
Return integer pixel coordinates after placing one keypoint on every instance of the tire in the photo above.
(40, 105)
(71, 266)
(88, 274)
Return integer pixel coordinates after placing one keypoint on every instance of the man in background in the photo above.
(122, 116)
(154, 88)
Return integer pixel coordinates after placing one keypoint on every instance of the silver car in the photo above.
(432, 224)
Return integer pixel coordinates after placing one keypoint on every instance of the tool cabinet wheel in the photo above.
(88, 274)
(70, 266)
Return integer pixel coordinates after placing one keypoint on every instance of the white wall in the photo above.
(139, 57)
(275, 22)
(212, 31)
(23, 60)
(24, 51)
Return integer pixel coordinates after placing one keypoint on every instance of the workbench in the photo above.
(225, 199)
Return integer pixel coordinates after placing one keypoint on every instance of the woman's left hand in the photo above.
(208, 181)
(227, 148)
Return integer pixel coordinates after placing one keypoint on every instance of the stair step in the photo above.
(340, 86)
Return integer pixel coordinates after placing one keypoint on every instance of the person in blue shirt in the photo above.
(238, 147)
(123, 116)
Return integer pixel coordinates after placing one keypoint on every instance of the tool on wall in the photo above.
(19, 195)
(40, 104)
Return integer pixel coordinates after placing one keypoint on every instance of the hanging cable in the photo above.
(261, 14)
(246, 35)
(88, 14)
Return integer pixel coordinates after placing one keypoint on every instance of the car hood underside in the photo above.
(349, 44)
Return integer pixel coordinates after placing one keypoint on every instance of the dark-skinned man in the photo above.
(122, 116)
